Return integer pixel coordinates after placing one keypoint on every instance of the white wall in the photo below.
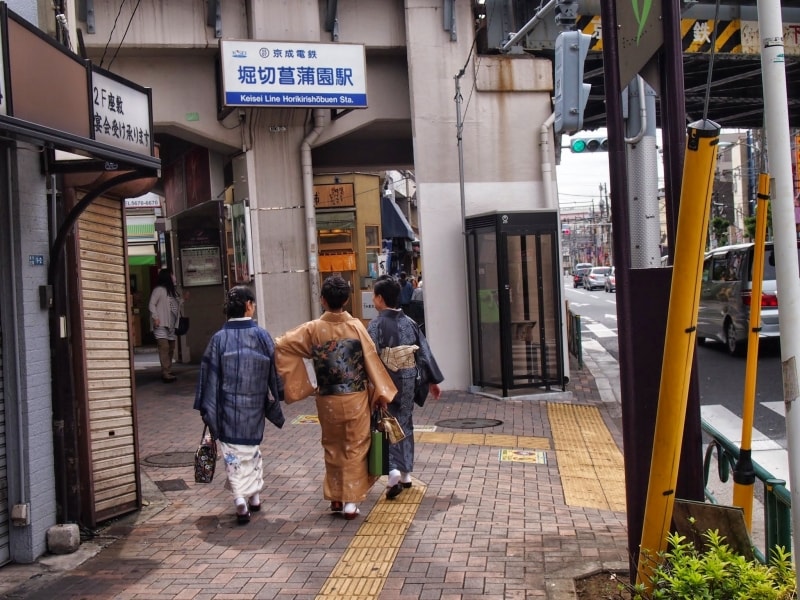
(501, 160)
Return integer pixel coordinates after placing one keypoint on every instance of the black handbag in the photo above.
(183, 326)
(205, 458)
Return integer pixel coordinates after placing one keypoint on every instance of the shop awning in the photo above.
(142, 254)
(141, 232)
(142, 260)
(393, 221)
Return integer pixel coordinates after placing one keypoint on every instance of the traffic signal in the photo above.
(593, 144)
(566, 13)
(571, 94)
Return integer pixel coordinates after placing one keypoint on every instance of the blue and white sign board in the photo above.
(293, 74)
(121, 114)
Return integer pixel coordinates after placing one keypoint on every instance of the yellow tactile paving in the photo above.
(594, 478)
(365, 564)
(591, 478)
(480, 439)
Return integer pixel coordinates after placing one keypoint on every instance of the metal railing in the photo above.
(574, 336)
(777, 499)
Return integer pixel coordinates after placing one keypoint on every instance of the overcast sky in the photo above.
(580, 175)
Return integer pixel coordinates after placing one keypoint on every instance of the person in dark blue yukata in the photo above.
(238, 387)
(406, 291)
(413, 369)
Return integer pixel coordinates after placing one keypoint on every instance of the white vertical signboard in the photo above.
(121, 114)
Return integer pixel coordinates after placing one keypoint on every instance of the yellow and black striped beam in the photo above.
(696, 35)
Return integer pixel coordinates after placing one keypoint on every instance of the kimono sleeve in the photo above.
(429, 370)
(206, 398)
(290, 350)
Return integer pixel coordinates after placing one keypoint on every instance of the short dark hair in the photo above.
(403, 275)
(336, 291)
(236, 301)
(388, 288)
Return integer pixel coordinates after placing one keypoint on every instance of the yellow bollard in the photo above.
(679, 347)
(743, 475)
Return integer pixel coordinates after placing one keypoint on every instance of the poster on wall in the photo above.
(368, 310)
(384, 263)
(200, 266)
(239, 227)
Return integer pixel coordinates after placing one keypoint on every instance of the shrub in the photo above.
(717, 573)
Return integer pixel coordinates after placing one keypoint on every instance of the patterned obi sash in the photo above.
(339, 366)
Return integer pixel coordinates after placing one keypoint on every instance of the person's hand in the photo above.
(156, 323)
(435, 391)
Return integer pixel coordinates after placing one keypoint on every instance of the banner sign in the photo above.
(121, 113)
(293, 74)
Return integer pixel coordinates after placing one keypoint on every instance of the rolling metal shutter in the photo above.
(4, 516)
(108, 443)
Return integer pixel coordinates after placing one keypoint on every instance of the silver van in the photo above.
(725, 296)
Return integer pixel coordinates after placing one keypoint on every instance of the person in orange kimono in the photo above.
(351, 381)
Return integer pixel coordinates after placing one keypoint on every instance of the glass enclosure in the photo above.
(515, 303)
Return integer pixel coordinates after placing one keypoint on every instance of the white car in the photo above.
(596, 278)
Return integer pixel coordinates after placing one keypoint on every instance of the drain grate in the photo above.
(171, 485)
(468, 423)
(170, 459)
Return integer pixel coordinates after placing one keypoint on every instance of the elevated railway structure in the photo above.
(736, 99)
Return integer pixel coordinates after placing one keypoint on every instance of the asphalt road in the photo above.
(721, 376)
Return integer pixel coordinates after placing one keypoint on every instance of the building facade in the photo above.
(410, 123)
(236, 195)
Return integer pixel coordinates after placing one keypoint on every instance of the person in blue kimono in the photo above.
(413, 369)
(237, 389)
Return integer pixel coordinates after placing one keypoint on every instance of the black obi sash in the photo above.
(339, 366)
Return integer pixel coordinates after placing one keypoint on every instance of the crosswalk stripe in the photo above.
(600, 330)
(777, 407)
(766, 452)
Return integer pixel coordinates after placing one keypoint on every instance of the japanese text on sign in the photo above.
(334, 195)
(293, 74)
(121, 114)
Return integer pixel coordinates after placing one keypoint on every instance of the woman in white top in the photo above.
(165, 310)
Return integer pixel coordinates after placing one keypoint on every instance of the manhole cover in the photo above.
(170, 459)
(171, 485)
(468, 423)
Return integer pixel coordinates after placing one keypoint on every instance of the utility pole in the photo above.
(776, 114)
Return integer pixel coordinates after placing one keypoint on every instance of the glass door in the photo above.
(534, 341)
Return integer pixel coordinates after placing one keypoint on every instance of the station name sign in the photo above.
(293, 74)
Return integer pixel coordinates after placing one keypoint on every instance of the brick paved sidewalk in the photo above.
(484, 528)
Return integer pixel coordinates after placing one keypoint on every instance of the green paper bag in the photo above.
(378, 454)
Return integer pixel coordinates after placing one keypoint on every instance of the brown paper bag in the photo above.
(390, 426)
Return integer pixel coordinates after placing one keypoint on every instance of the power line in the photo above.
(138, 2)
(119, 12)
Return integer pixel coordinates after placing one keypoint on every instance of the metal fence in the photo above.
(777, 499)
(574, 336)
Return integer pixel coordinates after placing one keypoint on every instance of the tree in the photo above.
(719, 227)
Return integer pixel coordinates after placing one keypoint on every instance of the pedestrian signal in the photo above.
(570, 93)
(599, 144)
